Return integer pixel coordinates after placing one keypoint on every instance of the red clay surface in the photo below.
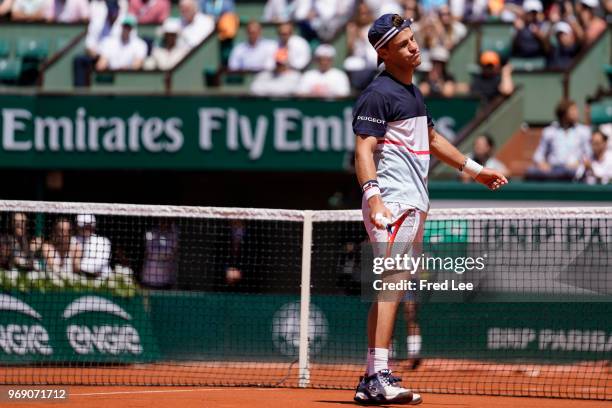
(444, 383)
(182, 397)
(582, 381)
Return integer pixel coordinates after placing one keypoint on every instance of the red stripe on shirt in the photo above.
(393, 142)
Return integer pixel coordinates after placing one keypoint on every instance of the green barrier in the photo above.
(233, 327)
(74, 327)
(188, 132)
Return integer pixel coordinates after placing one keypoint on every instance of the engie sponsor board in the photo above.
(79, 327)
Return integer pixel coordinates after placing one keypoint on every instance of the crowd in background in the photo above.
(73, 248)
(555, 31)
(301, 61)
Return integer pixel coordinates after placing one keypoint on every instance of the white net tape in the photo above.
(293, 215)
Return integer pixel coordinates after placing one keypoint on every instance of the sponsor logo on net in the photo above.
(286, 329)
(22, 339)
(104, 338)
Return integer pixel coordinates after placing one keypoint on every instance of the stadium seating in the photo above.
(601, 112)
(24, 47)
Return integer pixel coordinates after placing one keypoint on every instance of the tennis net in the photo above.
(115, 294)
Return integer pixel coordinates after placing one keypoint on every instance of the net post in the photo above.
(303, 362)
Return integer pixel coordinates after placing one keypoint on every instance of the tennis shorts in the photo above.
(411, 230)
(409, 235)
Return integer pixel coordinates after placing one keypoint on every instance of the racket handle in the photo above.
(382, 220)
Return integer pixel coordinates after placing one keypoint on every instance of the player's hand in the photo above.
(379, 214)
(491, 178)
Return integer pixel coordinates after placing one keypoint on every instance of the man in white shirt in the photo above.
(283, 81)
(255, 54)
(96, 255)
(169, 53)
(30, 10)
(124, 52)
(196, 26)
(597, 169)
(298, 49)
(68, 11)
(322, 19)
(325, 81)
(106, 18)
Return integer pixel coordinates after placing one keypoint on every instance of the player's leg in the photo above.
(410, 307)
(379, 385)
(413, 338)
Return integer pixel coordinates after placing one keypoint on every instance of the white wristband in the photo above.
(472, 168)
(371, 192)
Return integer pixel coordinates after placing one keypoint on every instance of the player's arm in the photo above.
(446, 152)
(366, 175)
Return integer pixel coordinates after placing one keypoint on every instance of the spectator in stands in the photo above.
(5, 253)
(227, 21)
(607, 6)
(380, 7)
(169, 53)
(320, 20)
(282, 81)
(483, 153)
(493, 79)
(21, 255)
(150, 11)
(297, 48)
(196, 26)
(324, 81)
(448, 30)
(563, 146)
(529, 38)
(96, 250)
(5, 8)
(439, 82)
(62, 254)
(161, 262)
(255, 54)
(278, 11)
(591, 23)
(124, 52)
(69, 11)
(217, 8)
(561, 54)
(31, 11)
(597, 168)
(233, 270)
(362, 60)
(104, 22)
(411, 10)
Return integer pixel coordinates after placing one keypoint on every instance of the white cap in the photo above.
(172, 25)
(85, 219)
(325, 50)
(590, 3)
(533, 5)
(439, 53)
(563, 27)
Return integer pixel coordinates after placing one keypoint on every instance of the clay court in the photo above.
(443, 383)
(225, 397)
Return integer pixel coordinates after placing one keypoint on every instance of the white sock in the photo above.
(413, 345)
(378, 359)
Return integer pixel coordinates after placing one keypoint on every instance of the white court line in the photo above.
(171, 391)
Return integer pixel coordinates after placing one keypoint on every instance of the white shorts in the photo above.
(408, 238)
(411, 229)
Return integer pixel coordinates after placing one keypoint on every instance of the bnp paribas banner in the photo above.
(75, 327)
(188, 132)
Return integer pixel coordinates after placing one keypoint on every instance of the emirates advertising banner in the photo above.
(189, 132)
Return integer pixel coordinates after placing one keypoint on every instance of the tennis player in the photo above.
(395, 136)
